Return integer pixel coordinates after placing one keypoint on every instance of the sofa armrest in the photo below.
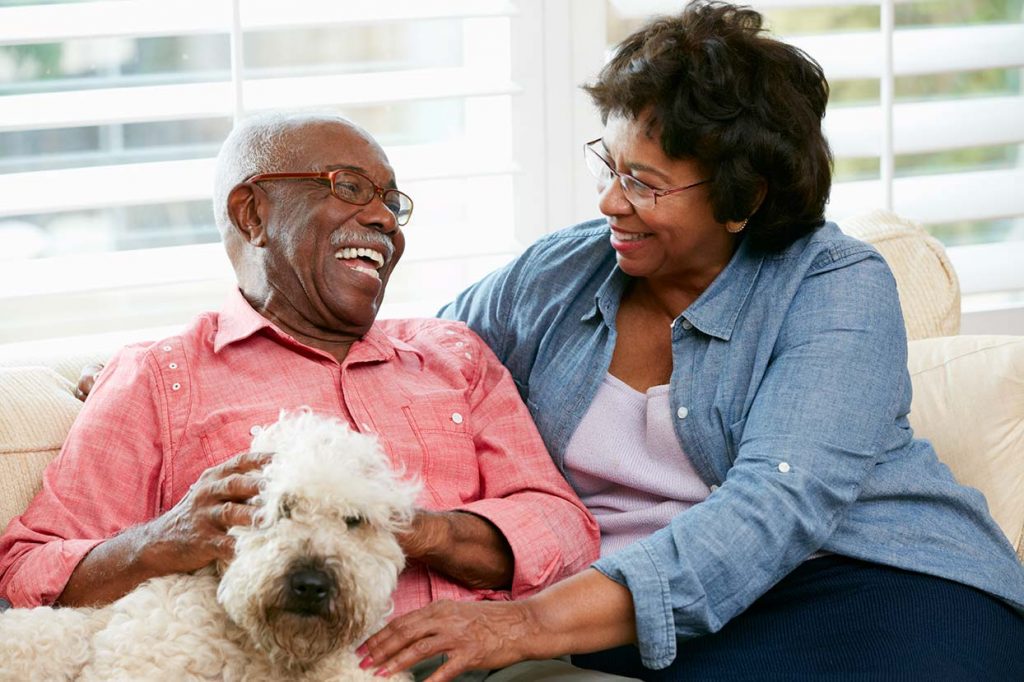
(969, 402)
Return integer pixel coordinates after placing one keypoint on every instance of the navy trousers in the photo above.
(835, 618)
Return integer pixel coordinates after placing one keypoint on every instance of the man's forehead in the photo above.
(326, 146)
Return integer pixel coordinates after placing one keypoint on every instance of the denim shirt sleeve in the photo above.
(825, 409)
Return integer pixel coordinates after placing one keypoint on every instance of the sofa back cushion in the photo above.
(37, 407)
(927, 284)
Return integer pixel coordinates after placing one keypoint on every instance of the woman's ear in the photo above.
(247, 205)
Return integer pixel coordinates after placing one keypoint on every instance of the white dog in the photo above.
(308, 583)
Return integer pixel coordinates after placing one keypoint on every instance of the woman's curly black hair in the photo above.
(747, 107)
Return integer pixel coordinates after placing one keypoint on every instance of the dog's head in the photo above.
(317, 570)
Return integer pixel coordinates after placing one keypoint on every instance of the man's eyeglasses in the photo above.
(635, 191)
(352, 188)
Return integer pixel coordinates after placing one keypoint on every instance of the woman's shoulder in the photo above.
(826, 248)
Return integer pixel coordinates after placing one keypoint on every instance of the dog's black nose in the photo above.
(308, 590)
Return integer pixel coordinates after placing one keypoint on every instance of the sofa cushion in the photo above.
(37, 407)
(928, 288)
(969, 402)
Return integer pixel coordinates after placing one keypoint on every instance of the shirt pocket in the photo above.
(440, 423)
(227, 440)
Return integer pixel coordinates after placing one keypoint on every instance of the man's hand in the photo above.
(195, 531)
(467, 548)
(189, 536)
(474, 635)
(87, 379)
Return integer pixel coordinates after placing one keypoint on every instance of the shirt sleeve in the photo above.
(105, 479)
(551, 533)
(828, 407)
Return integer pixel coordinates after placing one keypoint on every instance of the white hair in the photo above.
(260, 143)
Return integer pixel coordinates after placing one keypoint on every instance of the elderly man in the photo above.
(149, 479)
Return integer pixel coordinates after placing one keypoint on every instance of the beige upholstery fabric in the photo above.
(37, 407)
(928, 288)
(969, 402)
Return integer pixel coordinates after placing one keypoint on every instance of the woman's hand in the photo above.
(86, 380)
(474, 635)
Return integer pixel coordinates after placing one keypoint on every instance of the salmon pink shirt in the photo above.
(444, 408)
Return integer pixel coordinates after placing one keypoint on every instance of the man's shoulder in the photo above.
(196, 337)
(427, 333)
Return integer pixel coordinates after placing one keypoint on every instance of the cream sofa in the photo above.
(968, 390)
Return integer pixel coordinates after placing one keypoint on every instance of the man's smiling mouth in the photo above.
(364, 260)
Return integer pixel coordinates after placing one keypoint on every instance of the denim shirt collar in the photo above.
(713, 313)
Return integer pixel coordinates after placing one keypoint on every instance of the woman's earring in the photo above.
(737, 230)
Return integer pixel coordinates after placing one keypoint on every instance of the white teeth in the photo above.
(630, 236)
(368, 271)
(349, 252)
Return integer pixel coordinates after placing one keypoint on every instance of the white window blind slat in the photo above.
(963, 48)
(25, 25)
(940, 198)
(200, 100)
(928, 126)
(191, 180)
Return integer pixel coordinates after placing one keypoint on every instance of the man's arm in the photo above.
(538, 529)
(90, 534)
(467, 548)
(186, 538)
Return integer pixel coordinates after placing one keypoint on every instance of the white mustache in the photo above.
(369, 239)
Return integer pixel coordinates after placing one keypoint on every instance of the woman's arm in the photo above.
(587, 612)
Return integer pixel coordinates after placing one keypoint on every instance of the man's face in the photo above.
(315, 258)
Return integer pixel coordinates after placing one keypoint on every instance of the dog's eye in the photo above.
(353, 521)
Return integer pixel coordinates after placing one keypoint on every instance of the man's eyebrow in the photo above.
(359, 169)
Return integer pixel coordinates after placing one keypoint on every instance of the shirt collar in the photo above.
(238, 321)
(714, 312)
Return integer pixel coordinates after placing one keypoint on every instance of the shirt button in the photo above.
(456, 417)
(449, 332)
(468, 356)
(682, 412)
(166, 348)
(460, 344)
(173, 365)
(687, 324)
(175, 386)
(256, 428)
(714, 488)
(784, 467)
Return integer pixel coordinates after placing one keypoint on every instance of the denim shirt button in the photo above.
(687, 325)
(784, 467)
(682, 412)
(713, 488)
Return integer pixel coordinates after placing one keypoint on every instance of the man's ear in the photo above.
(247, 207)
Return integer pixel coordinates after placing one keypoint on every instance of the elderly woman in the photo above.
(722, 377)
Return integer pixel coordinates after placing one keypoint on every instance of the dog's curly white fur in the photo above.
(309, 581)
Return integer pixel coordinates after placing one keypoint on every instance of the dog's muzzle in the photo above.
(309, 591)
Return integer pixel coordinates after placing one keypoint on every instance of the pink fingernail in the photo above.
(366, 662)
(361, 650)
(383, 672)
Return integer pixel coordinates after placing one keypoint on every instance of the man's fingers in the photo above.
(86, 380)
(229, 514)
(247, 461)
(237, 487)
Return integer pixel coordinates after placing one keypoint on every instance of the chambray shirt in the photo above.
(790, 393)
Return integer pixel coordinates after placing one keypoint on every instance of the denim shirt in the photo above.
(791, 393)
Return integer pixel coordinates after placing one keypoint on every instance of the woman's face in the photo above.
(678, 236)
